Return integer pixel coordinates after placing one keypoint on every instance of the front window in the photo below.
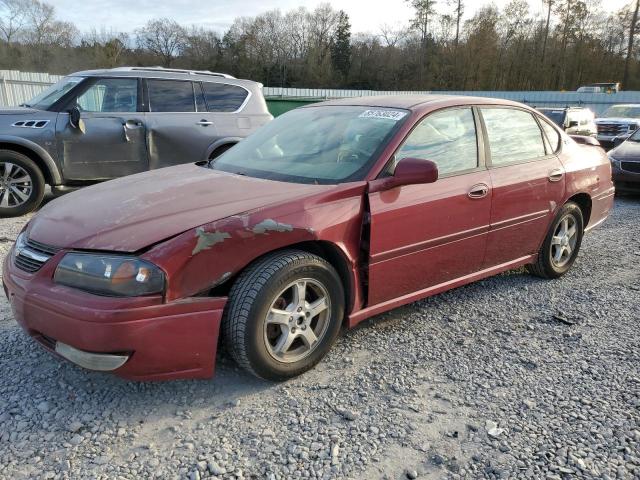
(623, 111)
(55, 92)
(447, 137)
(325, 145)
(110, 95)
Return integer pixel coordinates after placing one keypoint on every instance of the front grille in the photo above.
(612, 129)
(633, 167)
(33, 255)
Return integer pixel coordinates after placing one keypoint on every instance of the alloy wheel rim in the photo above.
(563, 242)
(16, 185)
(297, 320)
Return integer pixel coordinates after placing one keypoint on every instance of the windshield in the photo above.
(51, 95)
(324, 144)
(636, 136)
(557, 116)
(626, 111)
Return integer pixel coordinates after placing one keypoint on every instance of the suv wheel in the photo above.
(283, 315)
(21, 184)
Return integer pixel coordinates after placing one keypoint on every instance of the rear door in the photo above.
(225, 104)
(528, 183)
(180, 129)
(426, 235)
(113, 141)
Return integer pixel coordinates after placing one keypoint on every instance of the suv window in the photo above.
(110, 95)
(514, 135)
(224, 98)
(171, 96)
(447, 137)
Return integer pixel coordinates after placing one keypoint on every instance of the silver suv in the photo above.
(101, 124)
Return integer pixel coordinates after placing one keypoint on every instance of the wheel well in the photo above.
(583, 200)
(33, 156)
(326, 250)
(220, 149)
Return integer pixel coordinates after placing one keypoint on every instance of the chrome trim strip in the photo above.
(102, 362)
(38, 257)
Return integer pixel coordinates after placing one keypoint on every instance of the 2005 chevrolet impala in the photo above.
(326, 216)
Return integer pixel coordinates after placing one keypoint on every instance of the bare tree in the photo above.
(162, 37)
(632, 32)
(13, 17)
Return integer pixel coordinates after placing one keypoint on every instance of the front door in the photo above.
(426, 235)
(528, 182)
(112, 143)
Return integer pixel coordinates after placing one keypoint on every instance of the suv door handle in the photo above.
(556, 175)
(204, 123)
(130, 124)
(480, 190)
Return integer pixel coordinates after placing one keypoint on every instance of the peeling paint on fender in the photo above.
(207, 240)
(270, 225)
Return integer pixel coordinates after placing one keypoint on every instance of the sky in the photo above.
(127, 15)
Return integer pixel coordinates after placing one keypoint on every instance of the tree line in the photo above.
(572, 43)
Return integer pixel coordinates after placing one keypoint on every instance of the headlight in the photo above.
(614, 161)
(112, 275)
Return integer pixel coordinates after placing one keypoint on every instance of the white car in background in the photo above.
(619, 121)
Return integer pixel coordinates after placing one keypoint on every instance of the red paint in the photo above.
(422, 239)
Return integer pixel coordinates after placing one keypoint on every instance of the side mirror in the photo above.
(75, 120)
(410, 171)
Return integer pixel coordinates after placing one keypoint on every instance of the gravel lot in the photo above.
(511, 377)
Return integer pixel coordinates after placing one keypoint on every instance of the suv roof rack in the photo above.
(174, 70)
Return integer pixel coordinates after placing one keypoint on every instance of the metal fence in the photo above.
(598, 102)
(18, 87)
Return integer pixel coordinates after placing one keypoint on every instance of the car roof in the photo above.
(415, 102)
(164, 73)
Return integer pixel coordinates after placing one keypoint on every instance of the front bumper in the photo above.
(626, 181)
(134, 338)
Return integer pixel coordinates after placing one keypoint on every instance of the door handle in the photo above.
(556, 175)
(130, 124)
(480, 190)
(204, 123)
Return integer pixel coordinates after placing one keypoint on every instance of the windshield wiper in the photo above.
(25, 105)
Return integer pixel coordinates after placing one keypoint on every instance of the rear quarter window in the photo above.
(222, 97)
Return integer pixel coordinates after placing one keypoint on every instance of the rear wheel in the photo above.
(283, 315)
(561, 245)
(21, 184)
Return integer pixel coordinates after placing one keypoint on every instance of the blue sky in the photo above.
(127, 15)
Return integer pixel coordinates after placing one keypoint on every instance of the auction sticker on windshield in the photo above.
(394, 115)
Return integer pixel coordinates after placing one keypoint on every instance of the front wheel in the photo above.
(21, 184)
(561, 245)
(283, 315)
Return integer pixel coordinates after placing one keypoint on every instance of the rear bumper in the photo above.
(133, 338)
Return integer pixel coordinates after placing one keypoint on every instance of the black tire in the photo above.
(251, 298)
(13, 207)
(544, 266)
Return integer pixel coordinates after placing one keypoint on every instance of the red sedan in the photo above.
(328, 215)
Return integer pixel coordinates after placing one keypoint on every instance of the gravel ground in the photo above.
(511, 377)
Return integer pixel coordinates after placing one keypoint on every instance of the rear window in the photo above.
(171, 96)
(221, 97)
(514, 135)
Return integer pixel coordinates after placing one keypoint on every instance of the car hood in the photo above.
(134, 212)
(622, 120)
(626, 151)
(16, 111)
